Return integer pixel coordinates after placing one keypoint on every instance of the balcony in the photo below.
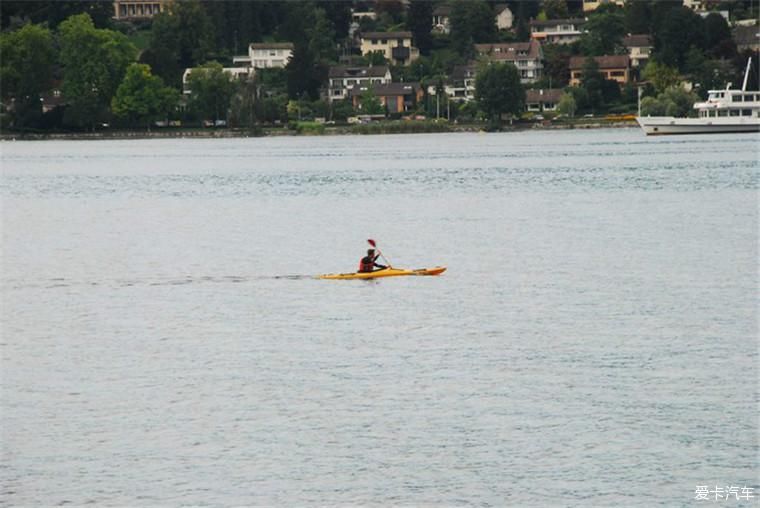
(400, 53)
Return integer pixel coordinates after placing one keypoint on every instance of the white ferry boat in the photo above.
(723, 111)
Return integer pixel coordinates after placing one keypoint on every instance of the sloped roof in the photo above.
(746, 35)
(555, 22)
(386, 35)
(509, 50)
(461, 72)
(545, 95)
(637, 41)
(605, 62)
(345, 71)
(271, 45)
(387, 89)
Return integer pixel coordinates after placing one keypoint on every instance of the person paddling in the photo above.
(369, 262)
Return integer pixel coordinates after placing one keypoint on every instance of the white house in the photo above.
(266, 55)
(528, 57)
(639, 49)
(557, 31)
(441, 19)
(542, 100)
(504, 17)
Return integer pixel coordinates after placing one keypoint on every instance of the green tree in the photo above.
(675, 101)
(322, 37)
(211, 91)
(638, 17)
(196, 33)
(661, 76)
(27, 58)
(555, 9)
(418, 21)
(472, 21)
(164, 48)
(498, 90)
(566, 105)
(679, 30)
(370, 105)
(341, 110)
(305, 75)
(604, 32)
(650, 106)
(94, 62)
(592, 81)
(556, 65)
(142, 97)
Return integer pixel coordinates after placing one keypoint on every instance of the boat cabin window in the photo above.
(723, 112)
(713, 113)
(734, 112)
(746, 112)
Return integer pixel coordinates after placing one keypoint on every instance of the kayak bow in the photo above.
(384, 272)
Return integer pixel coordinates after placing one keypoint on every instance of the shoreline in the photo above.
(283, 132)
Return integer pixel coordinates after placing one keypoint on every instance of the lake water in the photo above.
(594, 341)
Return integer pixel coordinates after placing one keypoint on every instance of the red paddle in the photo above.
(374, 244)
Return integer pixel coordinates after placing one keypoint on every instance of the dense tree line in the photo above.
(104, 76)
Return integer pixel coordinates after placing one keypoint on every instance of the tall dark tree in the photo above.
(557, 64)
(418, 20)
(592, 81)
(716, 31)
(304, 73)
(339, 14)
(196, 33)
(164, 48)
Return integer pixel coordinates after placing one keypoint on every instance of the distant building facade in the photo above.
(441, 19)
(746, 38)
(528, 57)
(542, 100)
(460, 86)
(592, 5)
(138, 9)
(504, 17)
(395, 46)
(395, 97)
(613, 67)
(341, 79)
(639, 49)
(266, 55)
(557, 31)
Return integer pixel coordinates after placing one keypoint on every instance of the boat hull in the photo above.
(664, 125)
(385, 272)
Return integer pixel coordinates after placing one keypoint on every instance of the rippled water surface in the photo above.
(594, 341)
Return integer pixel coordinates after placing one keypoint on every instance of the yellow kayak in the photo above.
(384, 272)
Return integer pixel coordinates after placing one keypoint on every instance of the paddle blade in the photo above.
(372, 242)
